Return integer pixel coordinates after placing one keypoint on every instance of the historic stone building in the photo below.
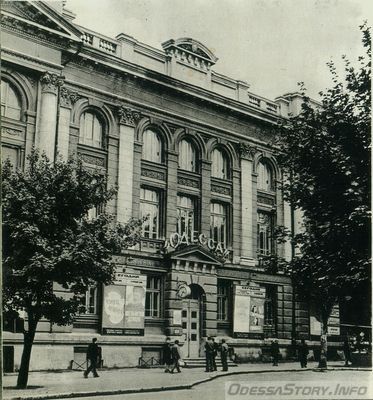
(189, 148)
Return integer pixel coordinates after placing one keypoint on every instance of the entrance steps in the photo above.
(200, 362)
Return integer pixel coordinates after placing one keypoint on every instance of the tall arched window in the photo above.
(152, 147)
(219, 164)
(187, 156)
(91, 130)
(265, 177)
(10, 102)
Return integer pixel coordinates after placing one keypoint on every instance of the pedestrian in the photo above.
(275, 350)
(175, 352)
(224, 355)
(214, 354)
(209, 351)
(167, 355)
(93, 352)
(303, 353)
(347, 352)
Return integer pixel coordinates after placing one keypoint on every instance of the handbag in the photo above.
(181, 363)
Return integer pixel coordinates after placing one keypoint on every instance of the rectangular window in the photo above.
(265, 227)
(185, 215)
(153, 297)
(218, 223)
(149, 207)
(223, 297)
(89, 301)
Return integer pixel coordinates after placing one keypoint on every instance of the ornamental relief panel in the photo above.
(160, 176)
(188, 182)
(92, 160)
(128, 116)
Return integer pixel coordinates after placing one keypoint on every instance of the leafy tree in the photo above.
(325, 151)
(48, 239)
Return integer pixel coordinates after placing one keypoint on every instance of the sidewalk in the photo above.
(69, 384)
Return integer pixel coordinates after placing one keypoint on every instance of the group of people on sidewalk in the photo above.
(302, 353)
(171, 356)
(211, 352)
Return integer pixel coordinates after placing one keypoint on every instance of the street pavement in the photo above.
(215, 390)
(69, 384)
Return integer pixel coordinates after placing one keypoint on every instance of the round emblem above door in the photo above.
(183, 291)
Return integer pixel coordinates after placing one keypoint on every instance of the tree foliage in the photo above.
(325, 153)
(48, 238)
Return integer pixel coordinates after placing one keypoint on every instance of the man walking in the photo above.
(275, 350)
(92, 355)
(175, 351)
(167, 355)
(347, 352)
(209, 351)
(303, 353)
(224, 355)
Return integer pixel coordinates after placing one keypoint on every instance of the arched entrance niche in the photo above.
(193, 320)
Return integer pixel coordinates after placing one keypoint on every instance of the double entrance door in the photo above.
(190, 319)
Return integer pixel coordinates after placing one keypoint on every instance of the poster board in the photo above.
(248, 310)
(124, 305)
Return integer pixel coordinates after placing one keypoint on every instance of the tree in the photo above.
(325, 153)
(48, 239)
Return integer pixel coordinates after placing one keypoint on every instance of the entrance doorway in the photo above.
(190, 319)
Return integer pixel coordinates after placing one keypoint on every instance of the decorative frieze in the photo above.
(92, 160)
(148, 173)
(188, 182)
(10, 132)
(68, 97)
(51, 82)
(127, 116)
(268, 200)
(221, 190)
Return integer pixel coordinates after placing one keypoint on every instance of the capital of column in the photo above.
(128, 116)
(68, 97)
(51, 82)
(247, 151)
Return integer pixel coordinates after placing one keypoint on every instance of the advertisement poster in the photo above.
(248, 310)
(124, 305)
(333, 322)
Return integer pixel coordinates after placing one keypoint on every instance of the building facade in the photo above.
(188, 148)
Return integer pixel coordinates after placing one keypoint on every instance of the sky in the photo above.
(270, 44)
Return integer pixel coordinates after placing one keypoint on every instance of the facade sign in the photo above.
(248, 310)
(176, 239)
(124, 305)
(333, 322)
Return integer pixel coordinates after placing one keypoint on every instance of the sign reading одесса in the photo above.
(124, 305)
(177, 239)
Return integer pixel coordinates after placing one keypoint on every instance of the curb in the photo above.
(55, 396)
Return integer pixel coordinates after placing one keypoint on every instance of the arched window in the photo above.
(91, 130)
(219, 164)
(187, 156)
(10, 102)
(152, 147)
(265, 177)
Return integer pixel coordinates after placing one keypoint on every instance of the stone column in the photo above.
(67, 100)
(247, 206)
(127, 121)
(171, 207)
(205, 197)
(46, 142)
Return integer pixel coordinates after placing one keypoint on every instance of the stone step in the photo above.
(200, 362)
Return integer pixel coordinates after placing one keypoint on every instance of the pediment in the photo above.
(40, 15)
(196, 254)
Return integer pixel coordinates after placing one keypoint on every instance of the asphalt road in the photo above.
(215, 390)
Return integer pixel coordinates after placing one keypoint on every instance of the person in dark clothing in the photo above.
(175, 352)
(275, 350)
(93, 352)
(303, 353)
(224, 355)
(167, 355)
(214, 354)
(209, 351)
(347, 352)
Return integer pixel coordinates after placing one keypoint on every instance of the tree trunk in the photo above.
(26, 355)
(323, 361)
